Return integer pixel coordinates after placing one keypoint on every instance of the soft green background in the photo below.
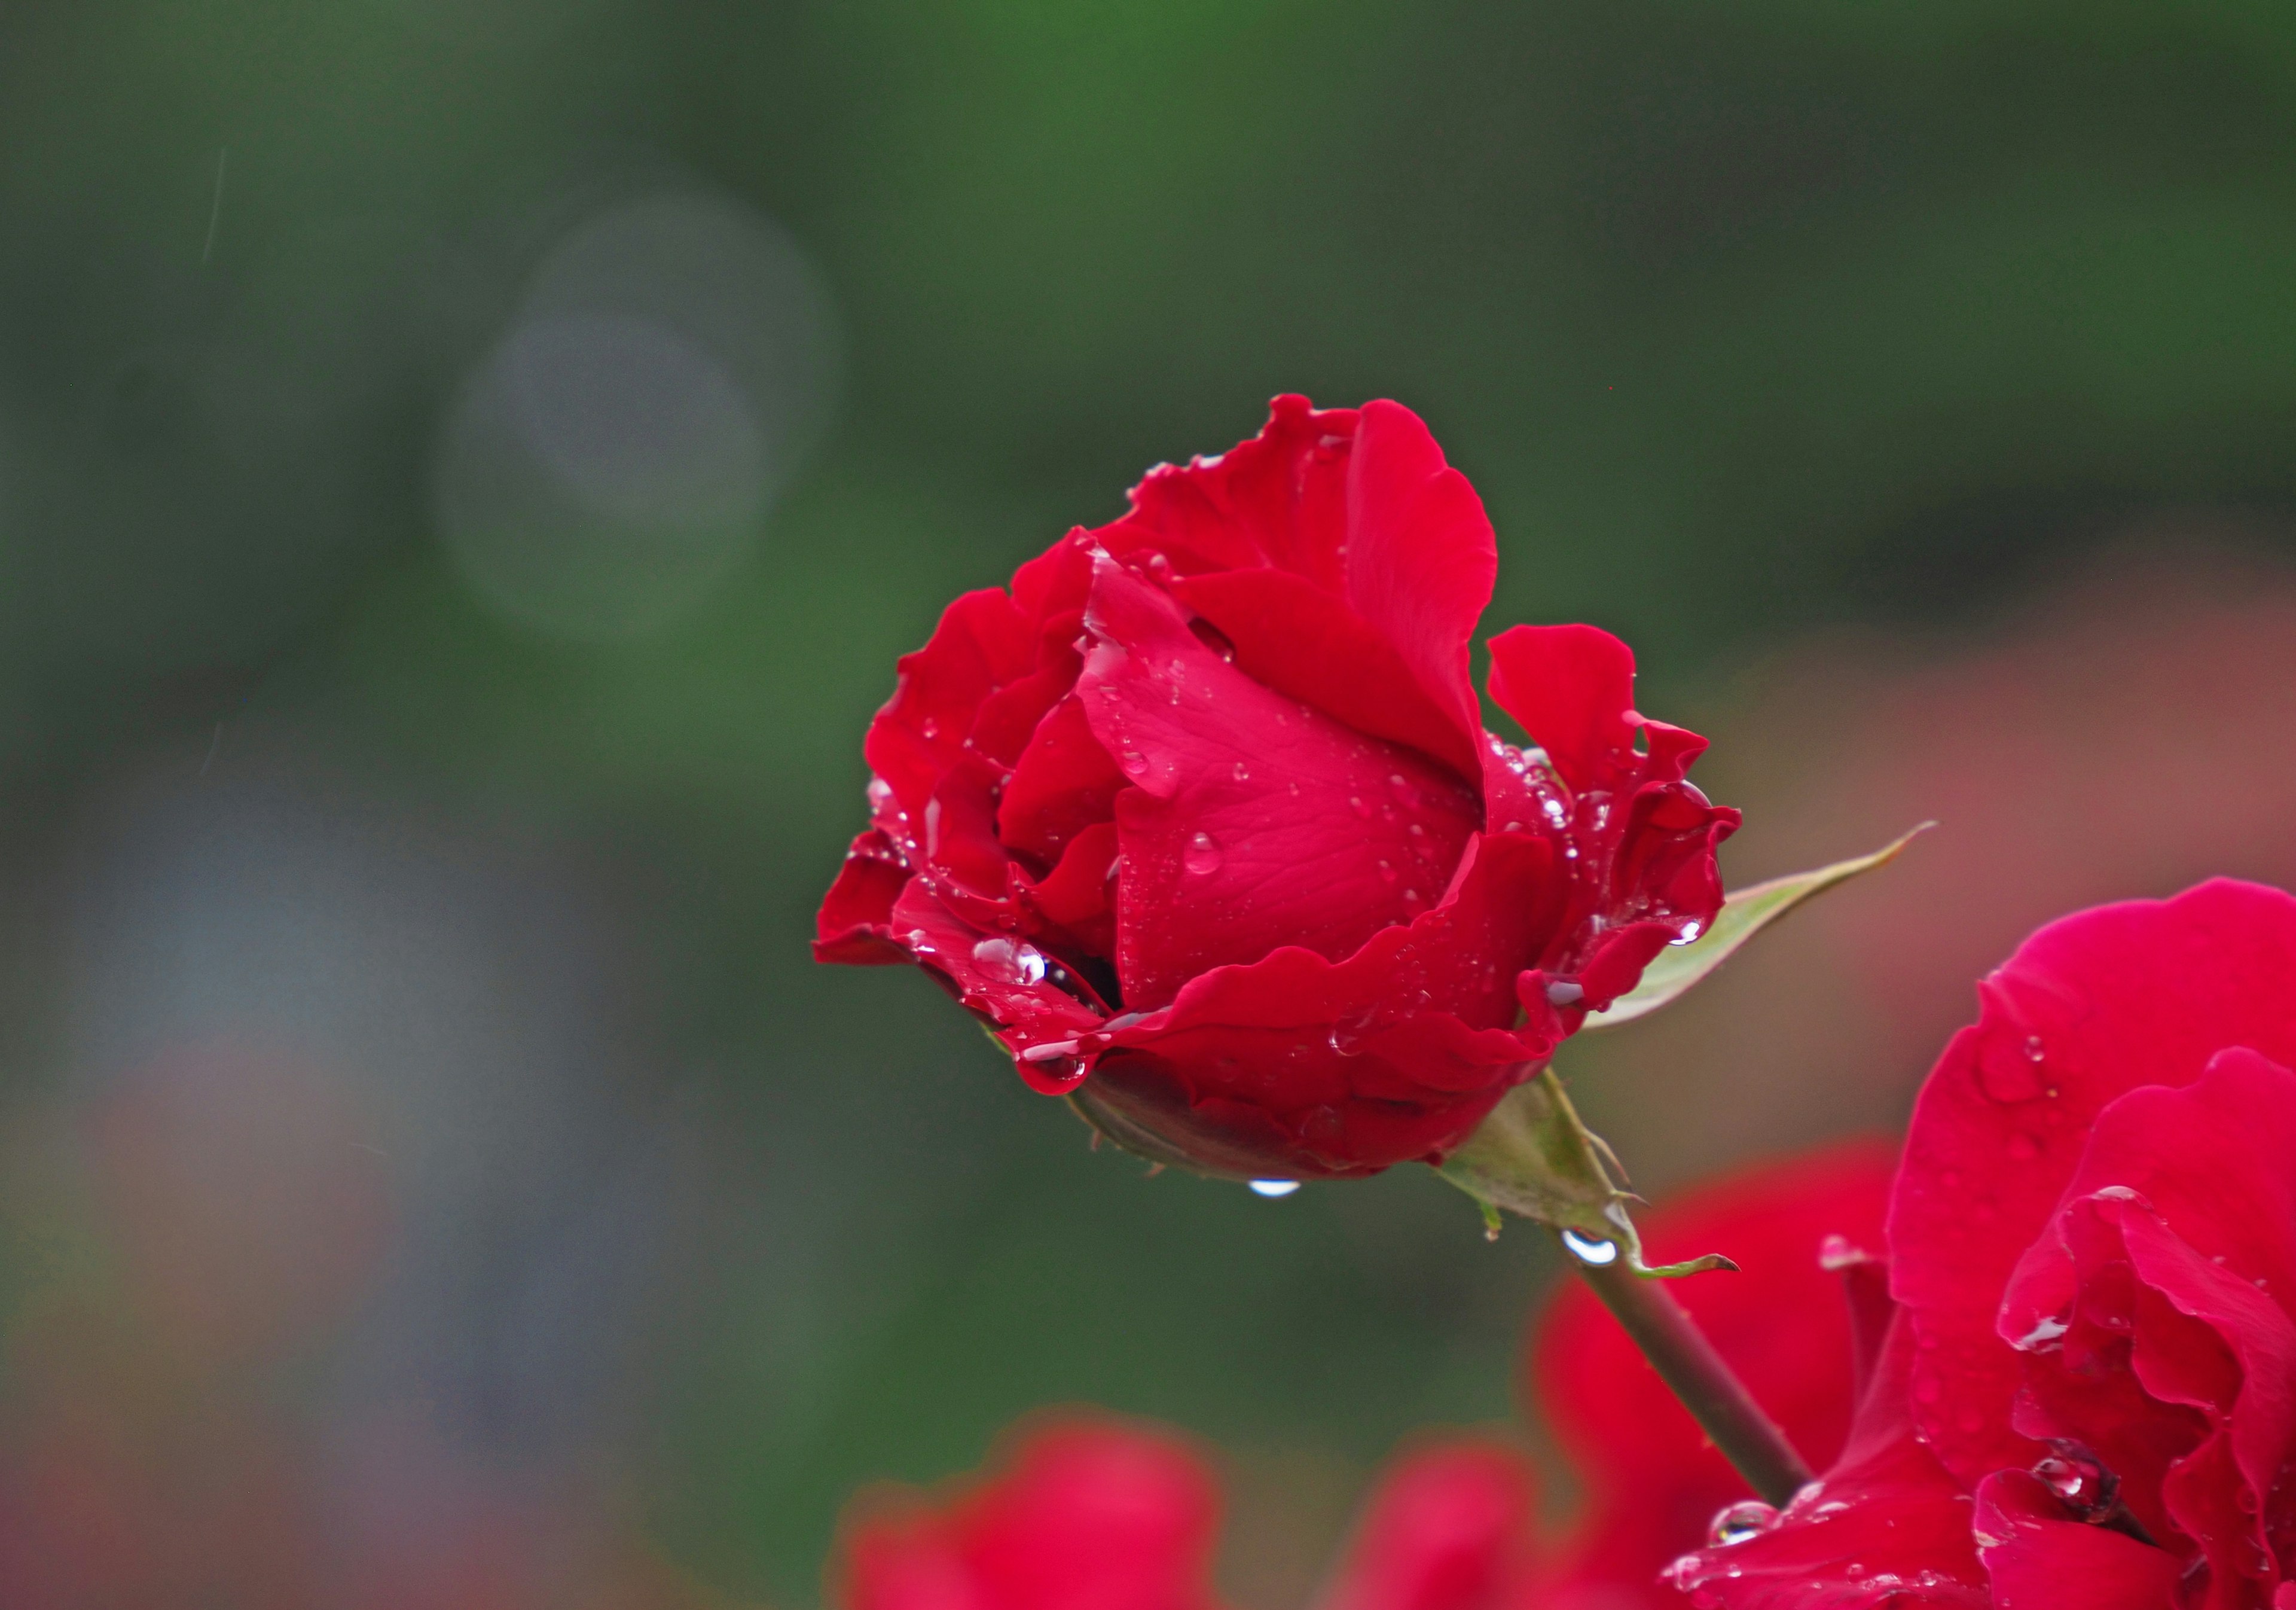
(1741, 318)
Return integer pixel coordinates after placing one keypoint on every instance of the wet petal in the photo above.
(1255, 823)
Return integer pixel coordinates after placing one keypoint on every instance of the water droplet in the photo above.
(1273, 1188)
(929, 729)
(2079, 1479)
(1159, 567)
(1131, 762)
(1357, 805)
(1388, 874)
(1417, 831)
(1411, 897)
(1202, 855)
(880, 794)
(1565, 992)
(1243, 772)
(1587, 1250)
(1749, 1518)
(1008, 961)
(1689, 934)
(1293, 789)
(2034, 1049)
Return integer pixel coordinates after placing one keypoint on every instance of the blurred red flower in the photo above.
(1086, 1515)
(2093, 1241)
(1202, 816)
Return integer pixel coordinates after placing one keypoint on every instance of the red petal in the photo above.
(1255, 823)
(1885, 1526)
(1309, 646)
(1063, 783)
(1084, 1513)
(1572, 687)
(1446, 1529)
(2189, 1190)
(2090, 1008)
(2041, 1559)
(1299, 1065)
(1363, 509)
(983, 641)
(855, 924)
(1004, 978)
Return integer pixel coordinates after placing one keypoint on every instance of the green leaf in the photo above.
(1535, 1157)
(1743, 914)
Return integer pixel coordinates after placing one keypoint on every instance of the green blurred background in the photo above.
(468, 466)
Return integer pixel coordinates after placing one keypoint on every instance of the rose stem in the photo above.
(1687, 1361)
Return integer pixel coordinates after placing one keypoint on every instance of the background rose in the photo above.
(2093, 1237)
(1203, 818)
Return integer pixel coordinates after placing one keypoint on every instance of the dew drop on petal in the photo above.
(1243, 772)
(1749, 1518)
(1356, 804)
(880, 794)
(1273, 1188)
(1202, 856)
(1387, 873)
(1008, 961)
(929, 729)
(1565, 992)
(2034, 1049)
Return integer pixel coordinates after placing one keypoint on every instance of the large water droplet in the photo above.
(1565, 992)
(1749, 1518)
(880, 794)
(1272, 1188)
(2079, 1478)
(1690, 931)
(1243, 772)
(1586, 1248)
(2035, 1051)
(1008, 961)
(1202, 856)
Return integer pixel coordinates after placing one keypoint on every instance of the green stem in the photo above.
(1687, 1361)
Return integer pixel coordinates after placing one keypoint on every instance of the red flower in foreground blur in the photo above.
(1202, 819)
(2088, 1401)
(1452, 1526)
(1089, 1514)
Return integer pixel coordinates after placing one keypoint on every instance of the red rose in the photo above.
(2093, 1240)
(1202, 819)
(1088, 1514)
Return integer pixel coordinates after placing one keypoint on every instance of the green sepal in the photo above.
(1534, 1157)
(1743, 914)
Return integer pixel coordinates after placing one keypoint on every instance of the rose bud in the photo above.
(1202, 820)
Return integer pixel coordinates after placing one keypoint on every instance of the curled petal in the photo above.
(2090, 1008)
(2039, 1557)
(856, 924)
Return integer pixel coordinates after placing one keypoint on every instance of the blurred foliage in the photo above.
(1741, 319)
